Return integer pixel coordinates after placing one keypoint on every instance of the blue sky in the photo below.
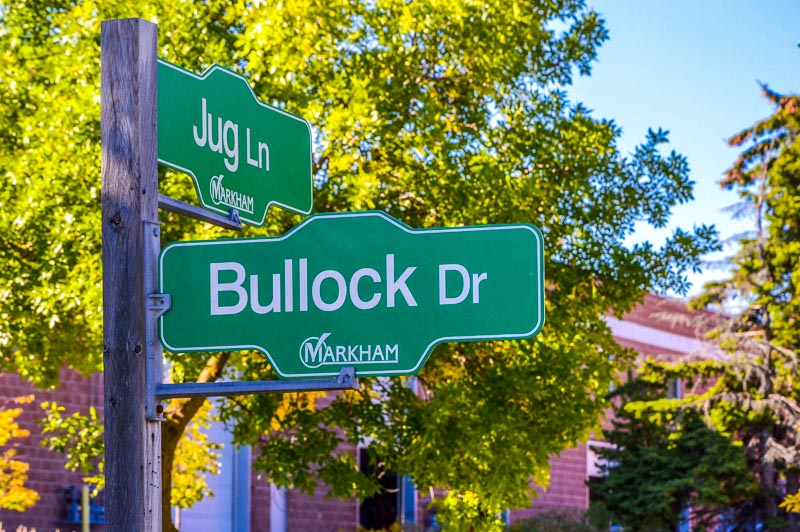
(693, 67)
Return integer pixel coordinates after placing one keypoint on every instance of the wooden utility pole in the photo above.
(130, 223)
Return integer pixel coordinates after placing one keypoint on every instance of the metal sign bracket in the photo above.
(345, 381)
(185, 209)
(156, 305)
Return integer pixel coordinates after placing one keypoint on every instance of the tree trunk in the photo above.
(792, 485)
(767, 478)
(178, 416)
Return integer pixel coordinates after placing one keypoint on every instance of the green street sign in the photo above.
(242, 154)
(353, 289)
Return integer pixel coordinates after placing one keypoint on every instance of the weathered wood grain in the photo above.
(129, 197)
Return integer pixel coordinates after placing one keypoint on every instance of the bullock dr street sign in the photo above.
(242, 154)
(355, 290)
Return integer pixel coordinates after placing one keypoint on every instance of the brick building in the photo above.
(47, 475)
(245, 502)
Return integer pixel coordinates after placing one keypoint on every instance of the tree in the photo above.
(765, 280)
(665, 459)
(80, 439)
(439, 114)
(14, 494)
(751, 396)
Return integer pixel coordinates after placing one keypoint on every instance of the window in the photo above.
(380, 510)
(675, 389)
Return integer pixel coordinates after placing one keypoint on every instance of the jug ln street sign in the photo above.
(241, 153)
(353, 289)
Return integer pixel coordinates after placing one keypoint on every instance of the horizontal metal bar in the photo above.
(179, 207)
(346, 381)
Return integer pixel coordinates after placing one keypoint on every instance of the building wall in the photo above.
(567, 488)
(640, 330)
(315, 513)
(47, 473)
(260, 504)
(229, 508)
(294, 511)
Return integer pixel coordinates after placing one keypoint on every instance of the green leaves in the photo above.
(439, 114)
(196, 457)
(664, 458)
(79, 438)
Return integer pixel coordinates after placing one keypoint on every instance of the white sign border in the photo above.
(427, 351)
(205, 205)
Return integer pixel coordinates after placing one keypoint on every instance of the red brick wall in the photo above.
(316, 513)
(260, 501)
(303, 513)
(47, 468)
(567, 488)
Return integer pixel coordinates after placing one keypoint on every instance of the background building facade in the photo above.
(245, 501)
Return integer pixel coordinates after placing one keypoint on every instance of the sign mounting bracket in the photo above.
(157, 304)
(232, 221)
(345, 381)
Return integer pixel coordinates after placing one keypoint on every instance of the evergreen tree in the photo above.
(665, 459)
(765, 280)
(750, 394)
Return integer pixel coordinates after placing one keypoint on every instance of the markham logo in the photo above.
(230, 198)
(315, 352)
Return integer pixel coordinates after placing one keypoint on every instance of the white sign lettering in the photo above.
(227, 141)
(330, 289)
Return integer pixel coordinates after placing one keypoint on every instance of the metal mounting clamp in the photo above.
(232, 221)
(156, 306)
(159, 304)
